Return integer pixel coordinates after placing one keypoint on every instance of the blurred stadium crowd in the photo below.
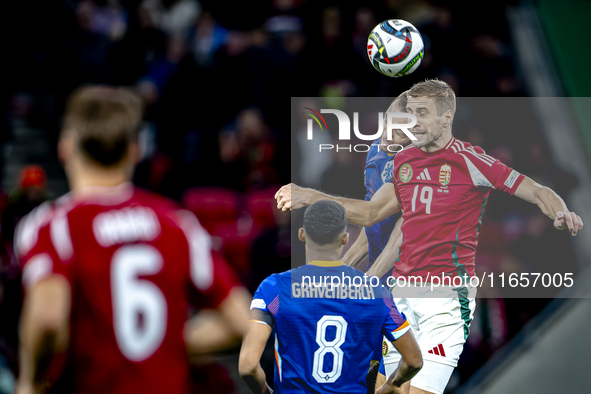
(216, 78)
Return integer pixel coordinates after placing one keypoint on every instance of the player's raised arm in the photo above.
(359, 212)
(43, 330)
(385, 262)
(551, 205)
(358, 251)
(496, 174)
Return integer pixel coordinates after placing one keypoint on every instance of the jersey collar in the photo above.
(104, 195)
(321, 263)
(450, 143)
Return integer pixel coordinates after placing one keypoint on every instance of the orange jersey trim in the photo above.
(403, 325)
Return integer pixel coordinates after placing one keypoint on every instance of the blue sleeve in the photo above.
(266, 298)
(368, 172)
(382, 368)
(366, 182)
(395, 323)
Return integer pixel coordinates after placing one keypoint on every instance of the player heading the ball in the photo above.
(441, 184)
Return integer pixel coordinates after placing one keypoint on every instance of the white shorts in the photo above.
(440, 326)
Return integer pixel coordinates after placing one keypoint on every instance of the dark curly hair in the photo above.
(324, 221)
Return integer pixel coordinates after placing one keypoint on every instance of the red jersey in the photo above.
(133, 261)
(443, 195)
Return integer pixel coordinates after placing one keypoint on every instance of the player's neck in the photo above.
(440, 143)
(319, 255)
(84, 176)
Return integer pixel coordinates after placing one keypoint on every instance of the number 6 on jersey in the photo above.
(132, 297)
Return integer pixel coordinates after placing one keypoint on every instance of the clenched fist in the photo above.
(290, 197)
(568, 220)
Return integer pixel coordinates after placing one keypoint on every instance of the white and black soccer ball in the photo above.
(395, 48)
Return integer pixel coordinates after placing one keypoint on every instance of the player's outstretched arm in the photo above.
(44, 330)
(358, 251)
(410, 364)
(359, 212)
(385, 262)
(551, 205)
(218, 330)
(250, 356)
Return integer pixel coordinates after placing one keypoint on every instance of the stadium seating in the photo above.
(262, 206)
(212, 205)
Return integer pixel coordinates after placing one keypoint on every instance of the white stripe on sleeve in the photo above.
(478, 177)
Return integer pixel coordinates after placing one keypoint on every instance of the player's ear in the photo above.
(345, 239)
(301, 235)
(65, 147)
(449, 117)
(134, 153)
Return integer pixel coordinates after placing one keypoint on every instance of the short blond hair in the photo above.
(445, 98)
(401, 101)
(104, 121)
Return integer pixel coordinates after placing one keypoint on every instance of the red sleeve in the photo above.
(488, 171)
(397, 193)
(34, 246)
(224, 280)
(208, 271)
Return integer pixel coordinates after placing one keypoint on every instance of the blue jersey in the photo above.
(326, 337)
(379, 168)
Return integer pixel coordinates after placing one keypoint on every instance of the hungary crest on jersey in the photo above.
(405, 172)
(444, 175)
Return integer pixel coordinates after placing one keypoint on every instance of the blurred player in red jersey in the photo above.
(441, 184)
(109, 270)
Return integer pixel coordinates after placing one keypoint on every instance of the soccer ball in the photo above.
(395, 48)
